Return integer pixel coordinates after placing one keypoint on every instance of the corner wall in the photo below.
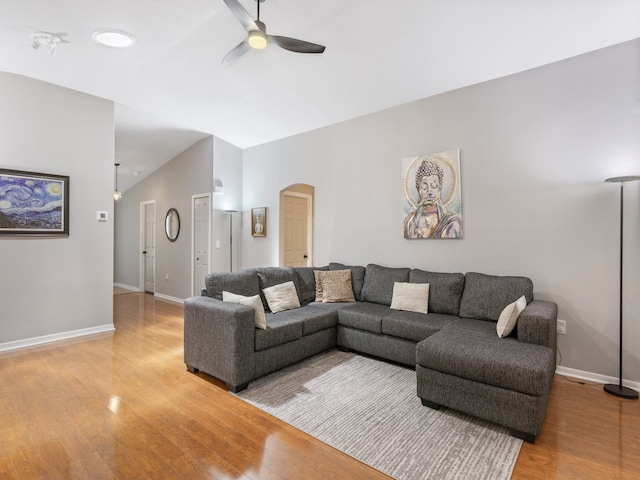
(58, 287)
(227, 168)
(536, 148)
(171, 186)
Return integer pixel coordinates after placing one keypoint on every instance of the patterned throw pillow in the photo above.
(282, 297)
(318, 276)
(336, 286)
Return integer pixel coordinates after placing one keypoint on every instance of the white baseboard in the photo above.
(30, 342)
(171, 299)
(595, 377)
(127, 287)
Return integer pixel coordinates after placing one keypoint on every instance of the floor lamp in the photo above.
(231, 212)
(619, 390)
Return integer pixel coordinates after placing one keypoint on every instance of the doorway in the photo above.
(201, 248)
(148, 246)
(296, 226)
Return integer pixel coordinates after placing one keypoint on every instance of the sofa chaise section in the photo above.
(467, 367)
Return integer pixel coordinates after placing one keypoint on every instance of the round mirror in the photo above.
(172, 224)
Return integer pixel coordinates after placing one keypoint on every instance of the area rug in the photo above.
(369, 409)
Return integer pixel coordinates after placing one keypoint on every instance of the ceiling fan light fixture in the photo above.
(113, 38)
(257, 39)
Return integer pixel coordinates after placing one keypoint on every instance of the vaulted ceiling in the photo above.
(172, 89)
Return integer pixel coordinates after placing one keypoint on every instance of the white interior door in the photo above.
(295, 231)
(201, 211)
(149, 248)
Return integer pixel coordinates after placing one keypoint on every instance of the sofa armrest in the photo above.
(219, 339)
(537, 324)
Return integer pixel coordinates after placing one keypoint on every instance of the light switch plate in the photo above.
(102, 216)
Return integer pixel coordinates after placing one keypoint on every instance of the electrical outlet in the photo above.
(562, 327)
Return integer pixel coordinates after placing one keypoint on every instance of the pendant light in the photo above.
(117, 194)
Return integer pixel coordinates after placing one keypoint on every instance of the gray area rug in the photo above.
(369, 409)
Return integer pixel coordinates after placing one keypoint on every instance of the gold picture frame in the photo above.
(259, 222)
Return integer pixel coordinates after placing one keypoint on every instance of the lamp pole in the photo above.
(231, 212)
(619, 390)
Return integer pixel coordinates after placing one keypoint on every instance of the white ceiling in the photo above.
(172, 89)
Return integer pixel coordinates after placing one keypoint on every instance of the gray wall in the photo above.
(54, 286)
(171, 186)
(227, 168)
(535, 149)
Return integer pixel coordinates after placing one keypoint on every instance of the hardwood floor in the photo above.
(122, 406)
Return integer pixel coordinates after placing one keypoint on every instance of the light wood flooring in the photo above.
(122, 406)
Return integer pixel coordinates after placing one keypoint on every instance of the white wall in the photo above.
(51, 286)
(227, 168)
(535, 148)
(171, 186)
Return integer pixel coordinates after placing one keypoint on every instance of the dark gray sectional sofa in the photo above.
(460, 361)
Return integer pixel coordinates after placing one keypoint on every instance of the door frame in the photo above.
(142, 265)
(193, 238)
(309, 198)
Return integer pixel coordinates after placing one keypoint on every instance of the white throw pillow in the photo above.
(509, 317)
(255, 302)
(282, 297)
(412, 297)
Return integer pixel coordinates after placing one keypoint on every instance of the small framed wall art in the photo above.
(33, 203)
(259, 222)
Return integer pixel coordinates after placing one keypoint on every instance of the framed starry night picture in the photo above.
(33, 203)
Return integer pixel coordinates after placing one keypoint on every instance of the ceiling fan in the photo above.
(257, 37)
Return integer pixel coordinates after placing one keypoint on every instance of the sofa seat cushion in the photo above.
(318, 319)
(330, 306)
(471, 349)
(282, 327)
(363, 316)
(414, 326)
(485, 296)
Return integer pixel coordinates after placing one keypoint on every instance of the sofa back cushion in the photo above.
(485, 296)
(357, 277)
(270, 276)
(244, 282)
(378, 283)
(445, 290)
(307, 283)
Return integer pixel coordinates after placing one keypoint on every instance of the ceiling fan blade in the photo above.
(241, 14)
(294, 45)
(239, 50)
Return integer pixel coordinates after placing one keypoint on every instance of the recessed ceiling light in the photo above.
(113, 38)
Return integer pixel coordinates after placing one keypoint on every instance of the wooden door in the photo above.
(149, 248)
(295, 231)
(201, 243)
